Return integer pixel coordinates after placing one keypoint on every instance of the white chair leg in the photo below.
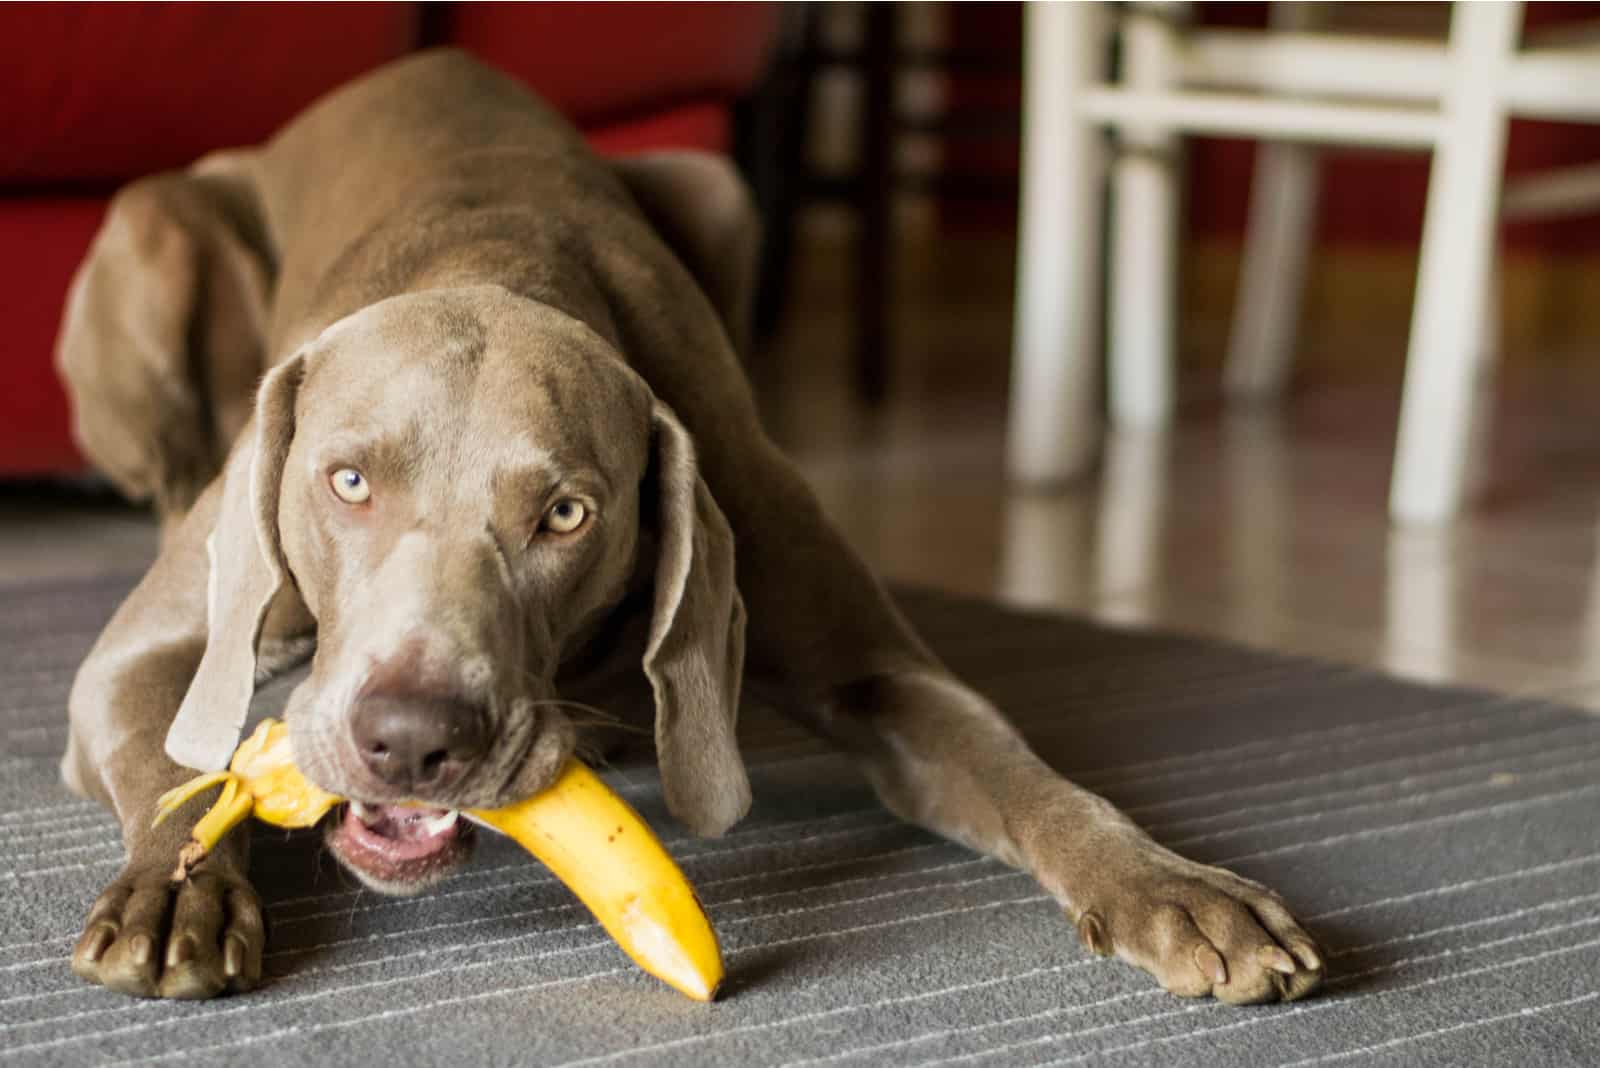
(1491, 313)
(1054, 420)
(1457, 245)
(1144, 238)
(1480, 435)
(1272, 276)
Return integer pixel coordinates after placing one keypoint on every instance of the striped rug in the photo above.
(1444, 844)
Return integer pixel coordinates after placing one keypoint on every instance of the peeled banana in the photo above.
(578, 827)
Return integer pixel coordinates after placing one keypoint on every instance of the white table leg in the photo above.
(1144, 232)
(1457, 244)
(1054, 419)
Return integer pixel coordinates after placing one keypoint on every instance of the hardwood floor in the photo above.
(1264, 526)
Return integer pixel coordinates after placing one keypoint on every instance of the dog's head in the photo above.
(456, 485)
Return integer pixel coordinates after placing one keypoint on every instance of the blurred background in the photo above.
(883, 144)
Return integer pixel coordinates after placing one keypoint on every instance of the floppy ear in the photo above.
(247, 572)
(695, 655)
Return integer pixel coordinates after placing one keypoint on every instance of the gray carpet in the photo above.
(1444, 844)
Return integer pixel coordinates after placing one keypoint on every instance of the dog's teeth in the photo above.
(363, 813)
(441, 823)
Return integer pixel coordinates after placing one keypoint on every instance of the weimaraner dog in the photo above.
(426, 393)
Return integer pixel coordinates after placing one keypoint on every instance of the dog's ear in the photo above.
(695, 655)
(248, 572)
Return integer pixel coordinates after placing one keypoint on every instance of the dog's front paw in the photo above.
(150, 937)
(1200, 930)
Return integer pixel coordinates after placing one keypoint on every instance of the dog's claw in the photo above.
(1277, 960)
(1211, 965)
(1092, 932)
(94, 943)
(233, 951)
(1307, 955)
(180, 950)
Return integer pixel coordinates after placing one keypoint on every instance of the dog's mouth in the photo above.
(399, 848)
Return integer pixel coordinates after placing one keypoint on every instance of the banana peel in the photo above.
(590, 838)
(261, 781)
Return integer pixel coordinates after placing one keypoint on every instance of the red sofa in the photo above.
(97, 94)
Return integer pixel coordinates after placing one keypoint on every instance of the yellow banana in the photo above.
(596, 844)
(579, 828)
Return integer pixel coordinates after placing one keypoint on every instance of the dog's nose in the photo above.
(418, 743)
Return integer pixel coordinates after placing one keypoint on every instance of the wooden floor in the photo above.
(1264, 526)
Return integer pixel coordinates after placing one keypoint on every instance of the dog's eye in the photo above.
(565, 516)
(350, 485)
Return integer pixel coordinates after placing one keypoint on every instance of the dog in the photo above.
(428, 394)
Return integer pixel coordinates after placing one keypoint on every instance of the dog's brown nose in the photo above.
(418, 743)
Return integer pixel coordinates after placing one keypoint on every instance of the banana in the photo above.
(579, 828)
(596, 844)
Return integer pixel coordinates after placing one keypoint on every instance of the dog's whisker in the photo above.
(565, 702)
(350, 917)
(592, 715)
(628, 728)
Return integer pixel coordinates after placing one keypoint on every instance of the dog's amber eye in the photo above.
(350, 485)
(565, 516)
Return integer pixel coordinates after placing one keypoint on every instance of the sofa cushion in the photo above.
(100, 93)
(703, 124)
(44, 238)
(598, 62)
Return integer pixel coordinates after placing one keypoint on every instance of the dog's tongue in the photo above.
(400, 831)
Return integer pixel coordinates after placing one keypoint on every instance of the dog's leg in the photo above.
(841, 657)
(161, 348)
(146, 935)
(943, 757)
